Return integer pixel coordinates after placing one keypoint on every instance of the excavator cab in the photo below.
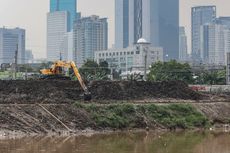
(56, 72)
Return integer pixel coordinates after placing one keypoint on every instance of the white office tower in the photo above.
(10, 41)
(215, 43)
(132, 57)
(57, 28)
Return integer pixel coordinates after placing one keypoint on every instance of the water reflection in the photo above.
(183, 142)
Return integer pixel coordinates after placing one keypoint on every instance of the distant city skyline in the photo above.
(31, 15)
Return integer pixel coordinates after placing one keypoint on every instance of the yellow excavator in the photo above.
(56, 72)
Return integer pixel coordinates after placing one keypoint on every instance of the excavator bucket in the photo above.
(87, 96)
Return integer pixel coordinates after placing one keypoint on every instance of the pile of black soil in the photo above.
(39, 91)
(128, 90)
(65, 91)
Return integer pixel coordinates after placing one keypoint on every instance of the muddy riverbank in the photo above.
(44, 107)
(33, 119)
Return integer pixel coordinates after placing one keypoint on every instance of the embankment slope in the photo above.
(54, 106)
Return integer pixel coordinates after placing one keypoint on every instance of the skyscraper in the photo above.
(213, 43)
(57, 27)
(122, 23)
(65, 5)
(200, 15)
(10, 41)
(182, 45)
(90, 34)
(60, 22)
(168, 28)
(155, 20)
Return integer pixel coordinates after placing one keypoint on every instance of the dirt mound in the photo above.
(140, 90)
(69, 91)
(39, 91)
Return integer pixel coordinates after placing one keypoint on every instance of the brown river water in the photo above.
(139, 142)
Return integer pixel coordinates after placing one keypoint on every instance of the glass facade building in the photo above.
(201, 15)
(169, 28)
(122, 23)
(10, 40)
(65, 5)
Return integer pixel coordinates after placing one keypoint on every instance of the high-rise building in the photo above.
(90, 34)
(168, 19)
(10, 41)
(200, 15)
(122, 23)
(65, 5)
(215, 43)
(183, 54)
(57, 27)
(155, 20)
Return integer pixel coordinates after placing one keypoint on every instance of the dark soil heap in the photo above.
(127, 90)
(70, 91)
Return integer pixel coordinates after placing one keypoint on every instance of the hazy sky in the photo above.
(31, 15)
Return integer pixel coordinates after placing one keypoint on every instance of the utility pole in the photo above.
(26, 76)
(16, 62)
(145, 71)
(228, 69)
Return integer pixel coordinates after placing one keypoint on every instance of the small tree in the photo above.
(217, 77)
(93, 71)
(172, 70)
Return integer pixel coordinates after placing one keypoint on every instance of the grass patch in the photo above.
(122, 116)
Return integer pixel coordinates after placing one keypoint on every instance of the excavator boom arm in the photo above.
(77, 74)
